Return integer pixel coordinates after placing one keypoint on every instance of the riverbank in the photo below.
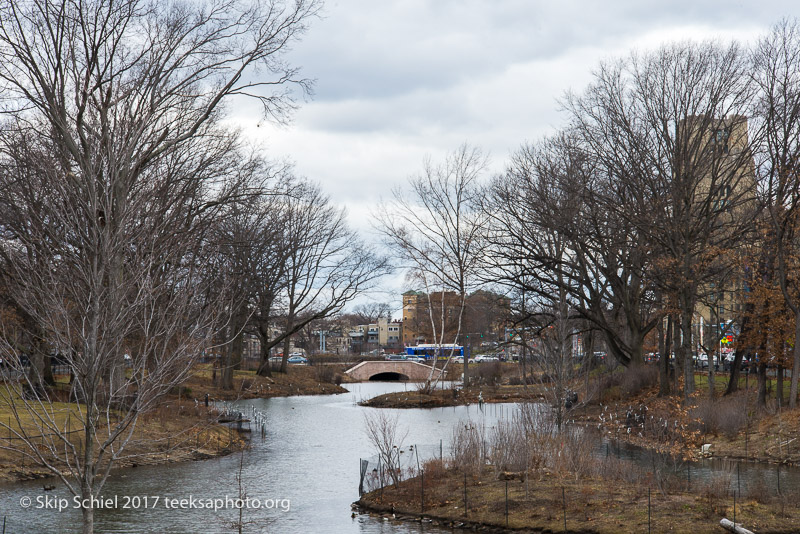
(183, 429)
(727, 427)
(454, 397)
(504, 502)
(175, 432)
(626, 407)
(298, 380)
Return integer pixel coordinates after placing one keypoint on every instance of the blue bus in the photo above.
(430, 350)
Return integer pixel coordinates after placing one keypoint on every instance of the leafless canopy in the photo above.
(776, 74)
(112, 168)
(436, 228)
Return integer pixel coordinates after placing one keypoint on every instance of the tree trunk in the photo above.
(779, 389)
(736, 366)
(736, 370)
(226, 377)
(637, 353)
(264, 368)
(87, 514)
(795, 363)
(686, 349)
(712, 356)
(664, 349)
(287, 343)
(588, 359)
(47, 371)
(678, 367)
(36, 372)
(762, 384)
(89, 468)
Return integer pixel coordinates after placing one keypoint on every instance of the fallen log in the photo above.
(730, 526)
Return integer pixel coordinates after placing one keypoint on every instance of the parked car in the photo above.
(396, 357)
(701, 361)
(412, 358)
(486, 358)
(297, 359)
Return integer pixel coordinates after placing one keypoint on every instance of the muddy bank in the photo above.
(454, 397)
(505, 503)
(298, 380)
(173, 433)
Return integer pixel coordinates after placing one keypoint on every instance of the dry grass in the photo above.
(175, 431)
(724, 415)
(591, 505)
(298, 380)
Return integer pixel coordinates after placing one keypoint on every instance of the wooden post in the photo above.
(738, 477)
(465, 494)
(506, 502)
(422, 491)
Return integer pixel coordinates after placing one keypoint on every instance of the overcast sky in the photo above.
(400, 79)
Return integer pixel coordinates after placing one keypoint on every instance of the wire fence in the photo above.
(575, 473)
(376, 472)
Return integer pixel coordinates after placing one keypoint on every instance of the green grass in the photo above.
(721, 382)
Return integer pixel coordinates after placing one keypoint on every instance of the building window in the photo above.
(721, 137)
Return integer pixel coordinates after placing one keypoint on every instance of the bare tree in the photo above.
(383, 431)
(437, 230)
(112, 169)
(670, 127)
(325, 266)
(550, 343)
(249, 253)
(776, 62)
(556, 226)
(370, 312)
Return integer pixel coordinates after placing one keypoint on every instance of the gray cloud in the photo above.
(399, 79)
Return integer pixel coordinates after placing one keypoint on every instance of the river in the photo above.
(306, 469)
(304, 473)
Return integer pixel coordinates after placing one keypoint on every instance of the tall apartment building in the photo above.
(731, 173)
(414, 312)
(484, 313)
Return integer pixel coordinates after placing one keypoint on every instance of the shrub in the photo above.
(726, 415)
(714, 495)
(489, 373)
(434, 469)
(326, 373)
(637, 378)
(517, 380)
(508, 447)
(466, 449)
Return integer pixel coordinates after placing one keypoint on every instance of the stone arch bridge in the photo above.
(391, 370)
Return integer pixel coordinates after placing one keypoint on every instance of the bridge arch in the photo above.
(391, 370)
(387, 376)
